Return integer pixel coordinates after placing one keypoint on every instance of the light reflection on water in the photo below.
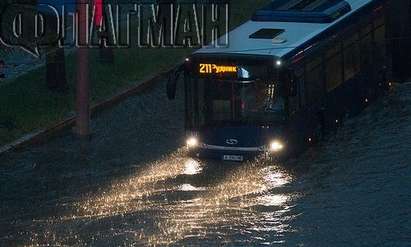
(272, 200)
(230, 204)
(131, 194)
(192, 167)
(189, 187)
(223, 208)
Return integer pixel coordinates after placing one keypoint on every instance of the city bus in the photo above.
(293, 71)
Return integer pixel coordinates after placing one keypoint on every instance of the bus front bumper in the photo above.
(237, 154)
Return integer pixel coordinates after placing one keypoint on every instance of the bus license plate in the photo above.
(233, 157)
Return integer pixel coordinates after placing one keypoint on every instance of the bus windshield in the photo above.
(228, 102)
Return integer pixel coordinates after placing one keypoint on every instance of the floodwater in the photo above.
(135, 186)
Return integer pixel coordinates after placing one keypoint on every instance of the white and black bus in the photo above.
(297, 68)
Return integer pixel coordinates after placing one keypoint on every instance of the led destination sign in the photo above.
(207, 68)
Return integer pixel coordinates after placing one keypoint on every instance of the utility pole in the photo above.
(83, 86)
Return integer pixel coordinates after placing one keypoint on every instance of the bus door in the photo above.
(299, 121)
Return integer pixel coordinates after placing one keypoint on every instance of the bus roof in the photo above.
(290, 35)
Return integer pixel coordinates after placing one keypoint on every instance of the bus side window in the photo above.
(366, 48)
(379, 39)
(333, 65)
(351, 57)
(314, 79)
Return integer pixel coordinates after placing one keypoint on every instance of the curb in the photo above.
(41, 135)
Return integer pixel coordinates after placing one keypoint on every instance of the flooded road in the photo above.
(134, 186)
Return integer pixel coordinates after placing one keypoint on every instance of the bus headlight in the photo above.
(192, 142)
(276, 146)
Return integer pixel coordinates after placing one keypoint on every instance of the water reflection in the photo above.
(192, 167)
(248, 200)
(233, 203)
(272, 200)
(132, 194)
(189, 187)
(274, 178)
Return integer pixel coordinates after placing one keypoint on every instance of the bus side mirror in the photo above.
(172, 82)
